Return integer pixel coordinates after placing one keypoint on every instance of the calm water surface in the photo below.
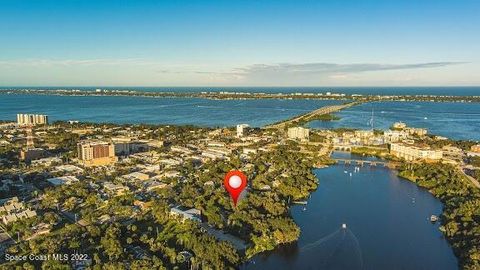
(387, 221)
(180, 111)
(453, 120)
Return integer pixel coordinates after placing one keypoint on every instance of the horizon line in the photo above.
(226, 86)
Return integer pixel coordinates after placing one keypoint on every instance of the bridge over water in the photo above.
(308, 116)
(361, 162)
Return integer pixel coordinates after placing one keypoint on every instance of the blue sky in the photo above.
(239, 43)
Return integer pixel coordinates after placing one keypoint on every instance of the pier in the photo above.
(308, 116)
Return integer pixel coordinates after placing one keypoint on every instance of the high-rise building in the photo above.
(298, 133)
(127, 146)
(32, 119)
(96, 153)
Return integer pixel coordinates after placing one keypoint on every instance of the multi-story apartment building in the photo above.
(298, 133)
(410, 152)
(96, 153)
(127, 146)
(32, 119)
(392, 136)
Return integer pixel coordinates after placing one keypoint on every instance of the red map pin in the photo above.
(235, 182)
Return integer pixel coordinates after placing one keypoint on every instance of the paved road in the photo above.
(309, 115)
(473, 180)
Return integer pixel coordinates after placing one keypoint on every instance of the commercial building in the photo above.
(96, 153)
(298, 133)
(63, 180)
(32, 119)
(410, 152)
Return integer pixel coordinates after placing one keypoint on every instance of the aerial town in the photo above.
(131, 191)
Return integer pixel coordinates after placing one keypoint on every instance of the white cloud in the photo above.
(139, 71)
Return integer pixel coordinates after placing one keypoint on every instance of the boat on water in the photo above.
(300, 202)
(344, 225)
(433, 218)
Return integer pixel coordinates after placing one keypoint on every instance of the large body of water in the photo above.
(179, 111)
(387, 222)
(454, 120)
(450, 119)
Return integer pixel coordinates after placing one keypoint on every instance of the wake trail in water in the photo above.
(338, 250)
(319, 242)
(357, 248)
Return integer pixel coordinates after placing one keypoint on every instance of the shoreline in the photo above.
(246, 95)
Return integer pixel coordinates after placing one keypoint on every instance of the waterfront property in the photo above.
(412, 152)
(32, 119)
(379, 209)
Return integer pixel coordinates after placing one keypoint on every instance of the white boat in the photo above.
(344, 226)
(433, 218)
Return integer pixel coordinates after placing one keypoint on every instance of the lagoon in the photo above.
(387, 221)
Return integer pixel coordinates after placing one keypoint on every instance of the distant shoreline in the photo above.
(233, 95)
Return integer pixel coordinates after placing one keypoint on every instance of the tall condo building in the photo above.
(32, 119)
(96, 153)
(298, 133)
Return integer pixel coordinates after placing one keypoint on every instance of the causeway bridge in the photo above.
(310, 115)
